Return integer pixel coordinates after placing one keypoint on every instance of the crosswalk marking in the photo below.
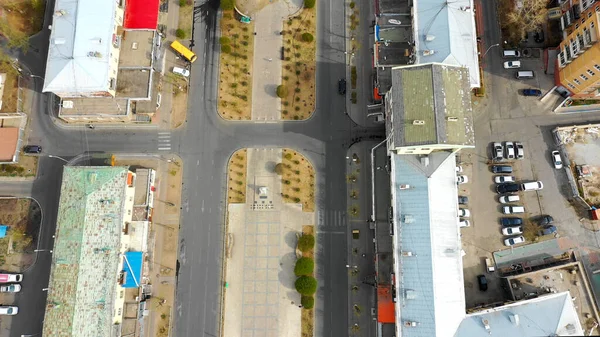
(164, 141)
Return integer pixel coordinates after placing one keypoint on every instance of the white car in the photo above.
(557, 160)
(512, 230)
(8, 310)
(12, 288)
(464, 213)
(459, 169)
(512, 64)
(498, 151)
(464, 223)
(510, 150)
(504, 179)
(181, 71)
(505, 199)
(520, 150)
(462, 179)
(514, 240)
(513, 209)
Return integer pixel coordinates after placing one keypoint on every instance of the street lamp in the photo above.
(349, 266)
(43, 250)
(40, 77)
(490, 47)
(57, 157)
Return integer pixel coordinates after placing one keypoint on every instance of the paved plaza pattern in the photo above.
(260, 299)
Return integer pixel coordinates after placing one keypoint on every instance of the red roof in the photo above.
(386, 311)
(141, 14)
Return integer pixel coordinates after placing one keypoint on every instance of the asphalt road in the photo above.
(205, 143)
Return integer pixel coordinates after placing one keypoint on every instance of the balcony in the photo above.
(580, 44)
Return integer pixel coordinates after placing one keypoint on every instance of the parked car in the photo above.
(498, 153)
(514, 240)
(482, 281)
(462, 200)
(512, 64)
(464, 223)
(181, 71)
(8, 310)
(462, 179)
(506, 199)
(511, 53)
(532, 186)
(548, 230)
(342, 86)
(501, 169)
(507, 188)
(11, 288)
(464, 213)
(511, 221)
(520, 150)
(8, 278)
(532, 92)
(32, 149)
(504, 179)
(512, 230)
(557, 160)
(510, 150)
(546, 220)
(459, 169)
(513, 209)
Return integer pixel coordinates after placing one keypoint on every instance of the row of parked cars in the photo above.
(509, 151)
(10, 284)
(520, 74)
(463, 213)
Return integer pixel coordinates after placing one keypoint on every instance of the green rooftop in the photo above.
(418, 105)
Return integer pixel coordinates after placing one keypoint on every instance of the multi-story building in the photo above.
(579, 53)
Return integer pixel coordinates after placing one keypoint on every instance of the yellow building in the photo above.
(579, 55)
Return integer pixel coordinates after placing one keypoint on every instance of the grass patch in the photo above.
(236, 174)
(20, 20)
(299, 65)
(235, 68)
(186, 17)
(307, 317)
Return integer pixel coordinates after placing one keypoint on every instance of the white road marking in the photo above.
(164, 148)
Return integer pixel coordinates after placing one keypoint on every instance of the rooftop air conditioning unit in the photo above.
(418, 122)
(429, 38)
(428, 52)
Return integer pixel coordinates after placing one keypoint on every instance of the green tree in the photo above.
(306, 285)
(306, 242)
(225, 48)
(308, 302)
(309, 3)
(180, 33)
(224, 40)
(282, 91)
(227, 4)
(304, 266)
(307, 37)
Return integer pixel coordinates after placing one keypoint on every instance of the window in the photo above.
(590, 13)
(583, 77)
(576, 81)
(571, 86)
(591, 73)
(597, 67)
(577, 25)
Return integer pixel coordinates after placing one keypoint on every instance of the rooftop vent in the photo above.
(410, 294)
(96, 54)
(486, 324)
(410, 324)
(452, 119)
(425, 161)
(60, 12)
(429, 38)
(428, 52)
(408, 254)
(59, 40)
(404, 187)
(418, 122)
(514, 319)
(408, 219)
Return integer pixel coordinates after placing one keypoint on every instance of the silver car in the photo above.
(498, 152)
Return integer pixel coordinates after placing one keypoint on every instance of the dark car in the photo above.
(463, 200)
(32, 149)
(483, 284)
(511, 221)
(548, 230)
(501, 169)
(507, 188)
(532, 92)
(342, 86)
(546, 220)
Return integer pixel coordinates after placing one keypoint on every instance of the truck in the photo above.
(7, 278)
(355, 234)
(489, 265)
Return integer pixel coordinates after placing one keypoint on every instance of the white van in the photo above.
(532, 186)
(525, 74)
(506, 199)
(511, 53)
(513, 209)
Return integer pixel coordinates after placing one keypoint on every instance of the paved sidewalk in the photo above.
(266, 106)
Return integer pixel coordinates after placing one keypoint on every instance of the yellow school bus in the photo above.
(183, 51)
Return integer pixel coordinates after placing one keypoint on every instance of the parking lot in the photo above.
(505, 115)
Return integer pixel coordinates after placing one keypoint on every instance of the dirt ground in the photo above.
(299, 66)
(11, 86)
(20, 19)
(180, 100)
(298, 176)
(23, 218)
(235, 68)
(250, 7)
(186, 18)
(27, 167)
(237, 169)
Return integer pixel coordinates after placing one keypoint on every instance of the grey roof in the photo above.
(549, 315)
(385, 7)
(450, 26)
(431, 93)
(425, 220)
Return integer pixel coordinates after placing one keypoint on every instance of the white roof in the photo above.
(450, 27)
(426, 225)
(80, 44)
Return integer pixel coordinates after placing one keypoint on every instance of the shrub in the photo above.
(227, 4)
(225, 48)
(304, 266)
(352, 4)
(306, 285)
(278, 169)
(297, 90)
(308, 302)
(182, 3)
(307, 37)
(282, 91)
(288, 156)
(224, 40)
(180, 33)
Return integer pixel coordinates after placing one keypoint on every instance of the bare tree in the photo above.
(521, 16)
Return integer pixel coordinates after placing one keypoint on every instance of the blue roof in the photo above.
(132, 266)
(3, 229)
